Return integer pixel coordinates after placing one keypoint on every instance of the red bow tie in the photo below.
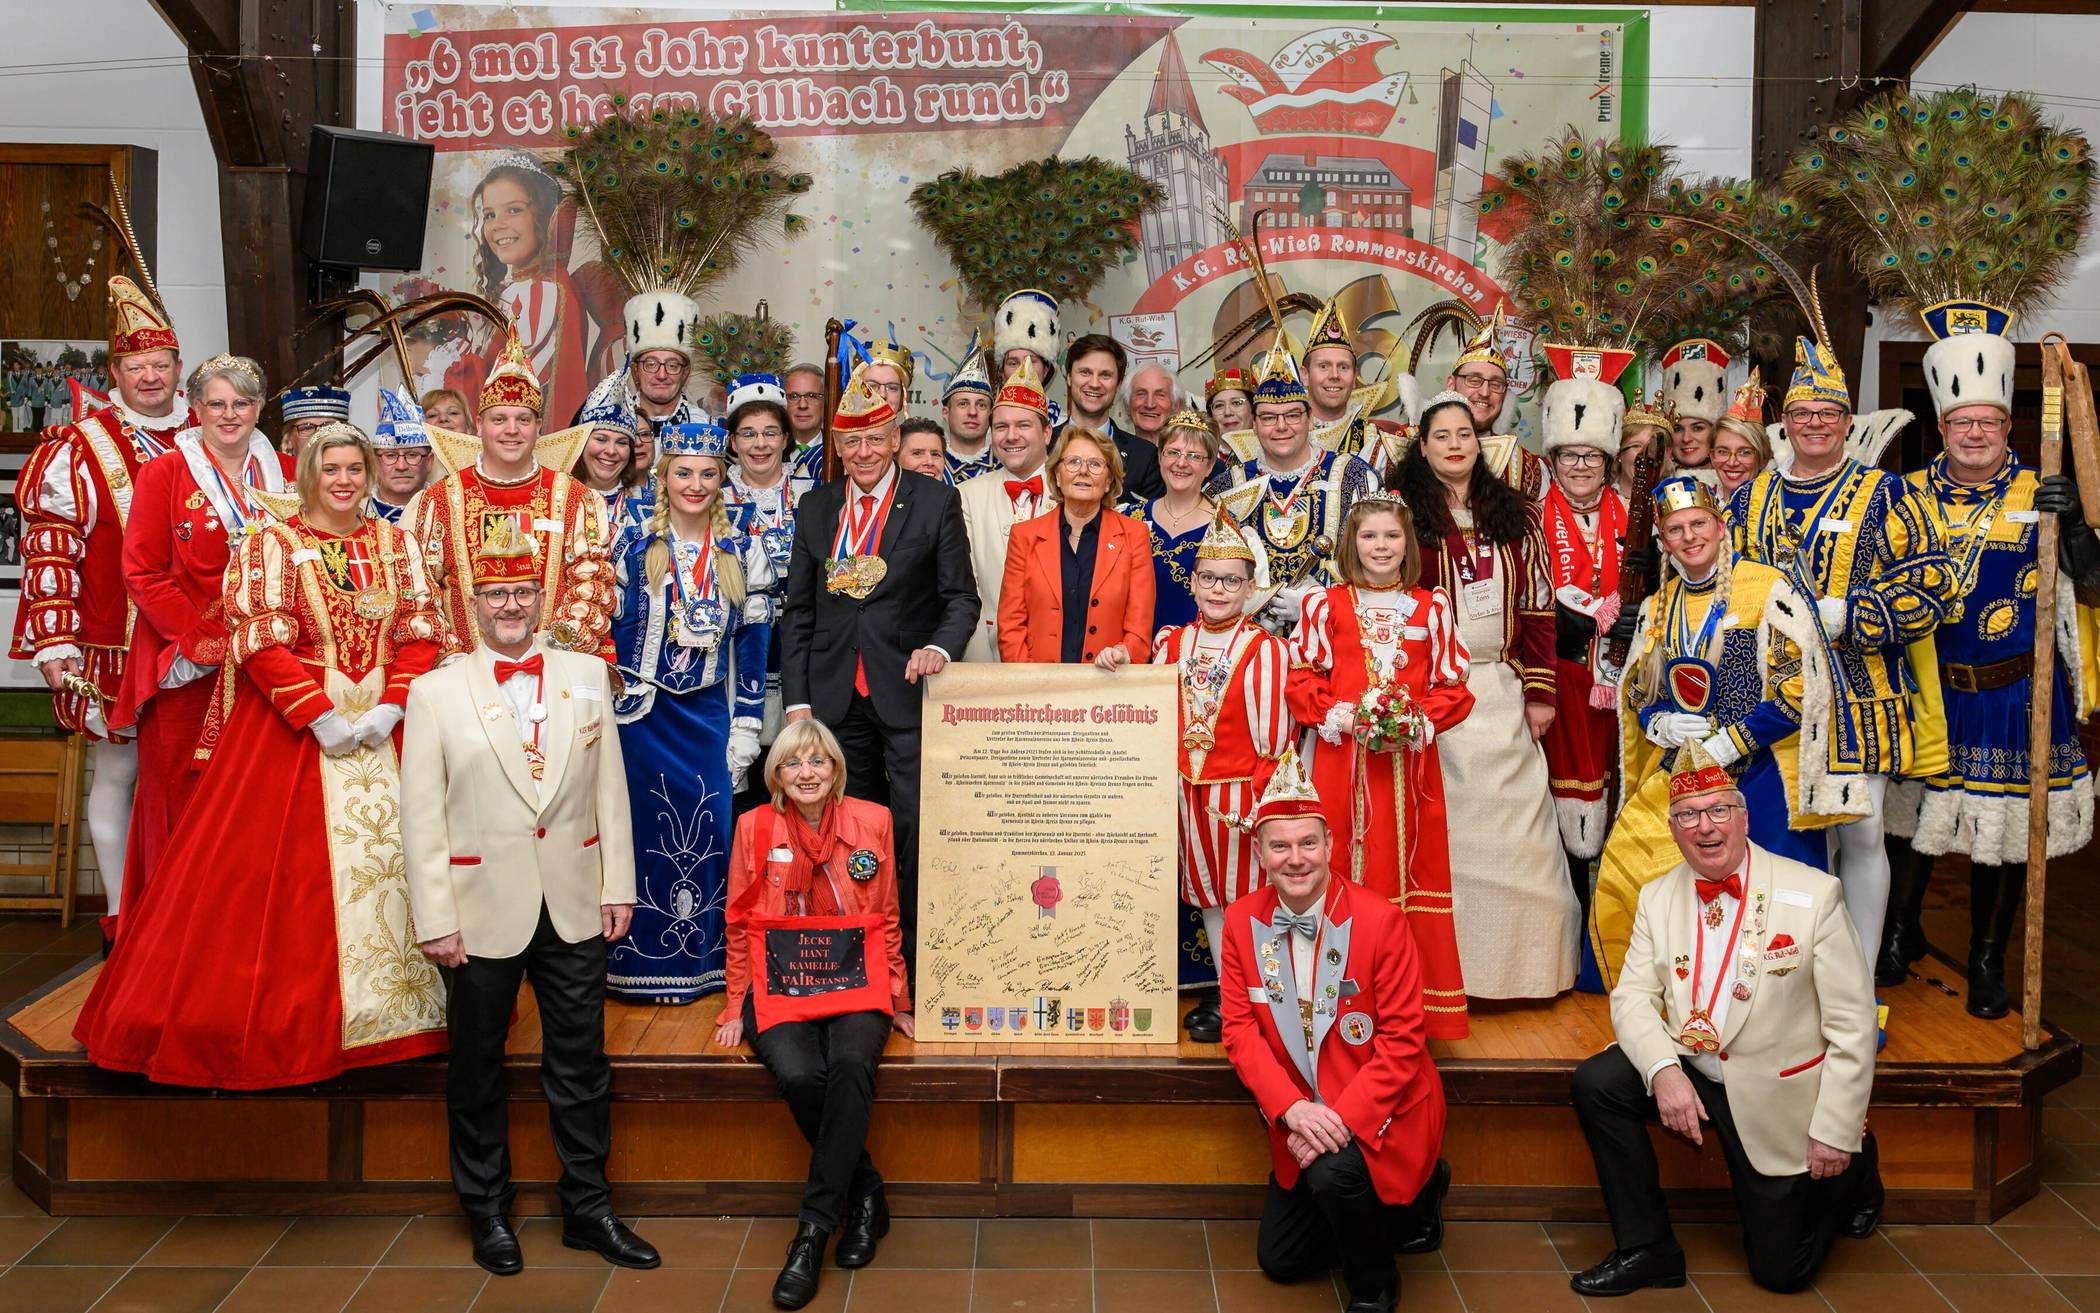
(1033, 486)
(1712, 889)
(533, 665)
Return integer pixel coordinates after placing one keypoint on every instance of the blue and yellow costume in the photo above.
(1743, 649)
(692, 653)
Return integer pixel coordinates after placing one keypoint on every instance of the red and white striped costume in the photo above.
(1386, 807)
(75, 498)
(1234, 724)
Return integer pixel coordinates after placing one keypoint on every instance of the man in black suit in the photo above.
(1094, 367)
(879, 595)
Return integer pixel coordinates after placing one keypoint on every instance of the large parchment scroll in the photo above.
(1047, 814)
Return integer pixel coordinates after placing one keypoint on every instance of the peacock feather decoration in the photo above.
(1950, 196)
(1739, 279)
(1600, 260)
(1059, 225)
(732, 343)
(676, 197)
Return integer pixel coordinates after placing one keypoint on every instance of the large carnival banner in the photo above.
(1047, 808)
(1364, 136)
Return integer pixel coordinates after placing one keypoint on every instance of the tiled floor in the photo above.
(2043, 1258)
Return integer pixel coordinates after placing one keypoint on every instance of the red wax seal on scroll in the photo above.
(1046, 892)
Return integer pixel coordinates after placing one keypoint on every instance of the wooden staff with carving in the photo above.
(1640, 532)
(2056, 356)
(834, 388)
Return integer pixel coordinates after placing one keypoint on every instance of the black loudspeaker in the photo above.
(367, 199)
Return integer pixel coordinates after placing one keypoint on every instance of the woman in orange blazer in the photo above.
(1079, 583)
(813, 851)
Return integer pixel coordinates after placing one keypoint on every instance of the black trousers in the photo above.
(882, 765)
(1333, 1218)
(826, 1072)
(569, 982)
(1788, 1222)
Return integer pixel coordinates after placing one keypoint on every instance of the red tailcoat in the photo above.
(1227, 762)
(1372, 1065)
(75, 495)
(1386, 808)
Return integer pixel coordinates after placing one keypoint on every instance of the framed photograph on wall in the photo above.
(38, 378)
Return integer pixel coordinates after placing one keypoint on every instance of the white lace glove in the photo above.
(1831, 611)
(337, 735)
(377, 725)
(1338, 715)
(1425, 732)
(1721, 747)
(1673, 729)
(743, 750)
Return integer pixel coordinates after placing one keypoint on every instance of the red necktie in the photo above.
(1033, 486)
(860, 669)
(533, 665)
(1712, 889)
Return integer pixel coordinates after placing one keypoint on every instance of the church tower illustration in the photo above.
(1175, 152)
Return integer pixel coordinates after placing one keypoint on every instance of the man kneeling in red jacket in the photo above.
(1323, 1023)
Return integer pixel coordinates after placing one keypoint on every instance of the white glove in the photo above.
(1673, 729)
(1831, 611)
(377, 725)
(1337, 716)
(1721, 747)
(337, 736)
(1425, 732)
(1288, 605)
(743, 750)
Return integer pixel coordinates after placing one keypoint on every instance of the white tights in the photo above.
(109, 811)
(1214, 931)
(1861, 864)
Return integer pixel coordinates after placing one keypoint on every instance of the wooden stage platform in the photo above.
(965, 1130)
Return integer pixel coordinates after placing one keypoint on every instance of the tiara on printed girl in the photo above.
(699, 438)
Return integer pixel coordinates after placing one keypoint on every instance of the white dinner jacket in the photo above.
(1798, 1054)
(989, 519)
(485, 846)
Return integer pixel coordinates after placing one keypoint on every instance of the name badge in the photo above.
(555, 526)
(781, 855)
(1793, 898)
(1829, 525)
(1483, 598)
(305, 556)
(2023, 517)
(1730, 621)
(587, 692)
(1413, 631)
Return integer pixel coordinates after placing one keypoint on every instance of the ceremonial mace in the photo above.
(1640, 532)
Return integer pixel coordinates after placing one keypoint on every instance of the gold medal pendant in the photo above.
(1198, 739)
(1286, 529)
(565, 635)
(373, 603)
(1699, 1034)
(856, 576)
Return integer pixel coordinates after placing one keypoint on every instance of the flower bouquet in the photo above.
(1387, 718)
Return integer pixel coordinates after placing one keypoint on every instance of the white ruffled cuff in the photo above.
(1331, 729)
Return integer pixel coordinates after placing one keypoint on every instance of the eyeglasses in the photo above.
(803, 763)
(1083, 464)
(522, 595)
(1978, 424)
(1820, 415)
(412, 456)
(745, 435)
(866, 441)
(1179, 456)
(1481, 382)
(238, 405)
(1581, 458)
(805, 396)
(1229, 582)
(1720, 814)
(660, 367)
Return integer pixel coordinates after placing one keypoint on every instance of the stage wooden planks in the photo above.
(975, 1127)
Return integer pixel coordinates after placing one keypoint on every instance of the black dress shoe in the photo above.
(1428, 1236)
(609, 1238)
(1626, 1270)
(797, 1283)
(1205, 1023)
(1860, 1225)
(868, 1222)
(496, 1247)
(1384, 1303)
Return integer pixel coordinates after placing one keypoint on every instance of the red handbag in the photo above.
(806, 968)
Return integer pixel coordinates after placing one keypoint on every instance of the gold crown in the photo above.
(894, 356)
(1189, 418)
(1656, 413)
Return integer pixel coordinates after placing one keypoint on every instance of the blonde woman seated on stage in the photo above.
(817, 866)
(1744, 1011)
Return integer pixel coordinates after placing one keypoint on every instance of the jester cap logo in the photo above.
(1586, 364)
(1966, 319)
